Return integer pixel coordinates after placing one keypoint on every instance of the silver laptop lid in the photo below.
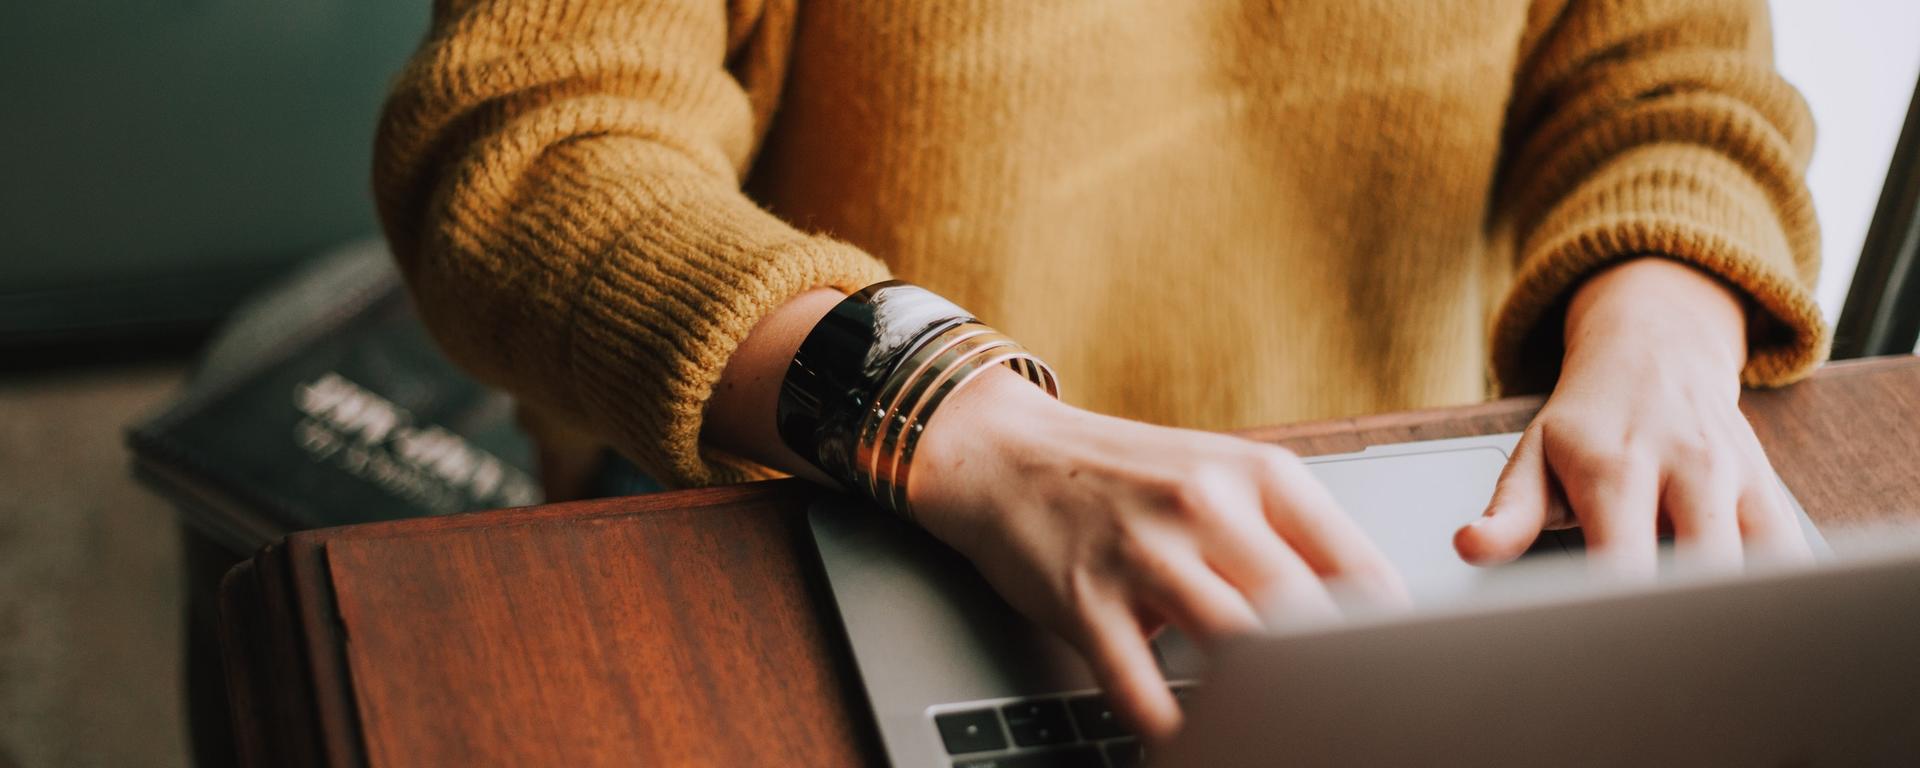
(1815, 666)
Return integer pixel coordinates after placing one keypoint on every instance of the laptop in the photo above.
(956, 678)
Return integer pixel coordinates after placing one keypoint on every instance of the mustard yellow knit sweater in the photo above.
(1210, 213)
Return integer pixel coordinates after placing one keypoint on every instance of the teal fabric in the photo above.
(619, 477)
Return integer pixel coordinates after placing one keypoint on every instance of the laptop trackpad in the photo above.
(1410, 504)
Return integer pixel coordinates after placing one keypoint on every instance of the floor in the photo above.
(90, 593)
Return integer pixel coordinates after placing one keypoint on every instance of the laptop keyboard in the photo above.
(1064, 731)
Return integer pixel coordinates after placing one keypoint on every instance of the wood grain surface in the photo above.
(693, 628)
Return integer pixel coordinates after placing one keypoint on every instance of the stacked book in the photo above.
(324, 402)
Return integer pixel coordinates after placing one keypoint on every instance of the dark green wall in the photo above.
(160, 145)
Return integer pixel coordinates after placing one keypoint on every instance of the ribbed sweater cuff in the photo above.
(1682, 202)
(651, 337)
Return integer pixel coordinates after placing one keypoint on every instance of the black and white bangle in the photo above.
(869, 377)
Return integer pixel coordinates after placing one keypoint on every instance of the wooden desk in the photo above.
(691, 628)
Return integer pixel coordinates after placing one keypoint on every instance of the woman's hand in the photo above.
(1103, 529)
(1643, 432)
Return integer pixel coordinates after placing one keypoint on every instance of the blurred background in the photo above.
(164, 161)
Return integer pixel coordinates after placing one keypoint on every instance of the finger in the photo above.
(1703, 508)
(1251, 555)
(1253, 558)
(1518, 511)
(1770, 526)
(1199, 601)
(1326, 541)
(1117, 651)
(1617, 501)
(1280, 587)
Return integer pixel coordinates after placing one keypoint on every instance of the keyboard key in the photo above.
(1125, 753)
(1096, 719)
(1075, 757)
(1038, 723)
(975, 730)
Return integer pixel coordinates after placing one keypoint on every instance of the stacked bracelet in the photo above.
(870, 376)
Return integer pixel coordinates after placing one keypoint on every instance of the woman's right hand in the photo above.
(1104, 530)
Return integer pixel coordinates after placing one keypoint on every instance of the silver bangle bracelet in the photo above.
(868, 379)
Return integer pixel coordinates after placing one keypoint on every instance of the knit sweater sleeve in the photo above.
(560, 181)
(1656, 127)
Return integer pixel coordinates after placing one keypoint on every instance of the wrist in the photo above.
(871, 375)
(1656, 309)
(976, 429)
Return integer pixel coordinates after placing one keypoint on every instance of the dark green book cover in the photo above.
(329, 404)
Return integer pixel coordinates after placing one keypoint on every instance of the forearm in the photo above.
(740, 417)
(569, 217)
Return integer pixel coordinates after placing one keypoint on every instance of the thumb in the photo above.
(1517, 512)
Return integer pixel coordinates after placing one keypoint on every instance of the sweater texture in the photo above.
(1204, 213)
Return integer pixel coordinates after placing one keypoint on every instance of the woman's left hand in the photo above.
(1643, 432)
